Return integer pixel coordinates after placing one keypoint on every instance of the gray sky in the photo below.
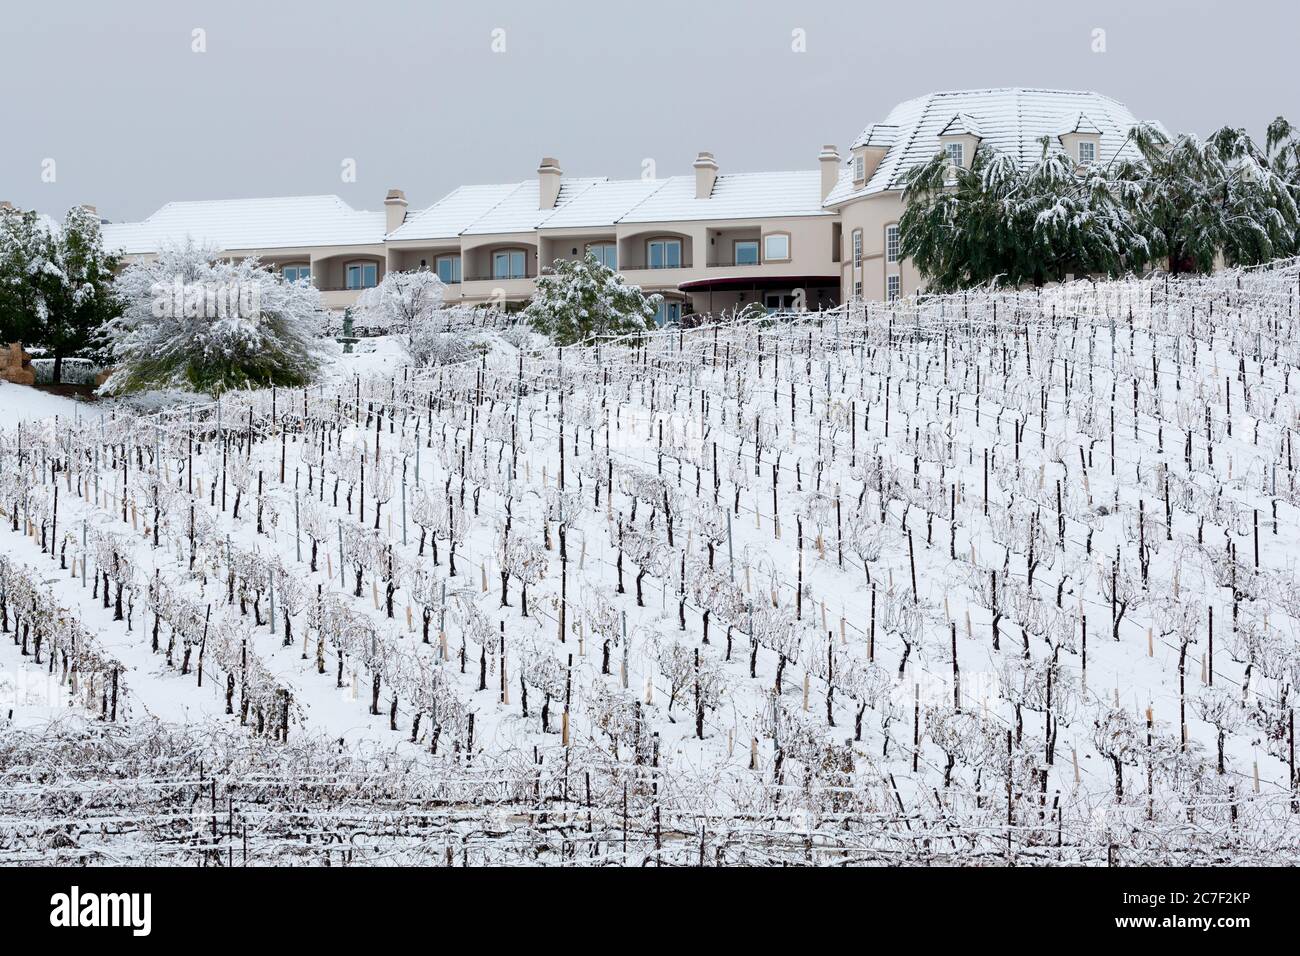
(287, 90)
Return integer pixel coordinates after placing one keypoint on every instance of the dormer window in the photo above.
(956, 153)
(859, 168)
(1087, 152)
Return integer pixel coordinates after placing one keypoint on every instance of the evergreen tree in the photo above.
(77, 289)
(25, 249)
(1196, 201)
(1282, 150)
(56, 283)
(997, 220)
(579, 298)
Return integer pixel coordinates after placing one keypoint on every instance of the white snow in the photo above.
(795, 479)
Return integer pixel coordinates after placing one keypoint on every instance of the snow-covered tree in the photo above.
(579, 298)
(1020, 225)
(193, 320)
(1195, 200)
(56, 283)
(24, 253)
(409, 304)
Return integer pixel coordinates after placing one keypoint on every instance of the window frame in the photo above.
(859, 168)
(896, 293)
(510, 252)
(1091, 146)
(955, 154)
(789, 251)
(893, 249)
(362, 265)
(661, 316)
(857, 248)
(666, 242)
(735, 251)
(593, 246)
(302, 270)
(451, 257)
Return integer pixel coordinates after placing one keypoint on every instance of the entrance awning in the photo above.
(742, 282)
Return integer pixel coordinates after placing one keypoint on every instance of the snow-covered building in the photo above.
(706, 241)
(868, 194)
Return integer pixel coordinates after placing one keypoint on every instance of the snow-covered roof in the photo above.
(877, 134)
(1077, 122)
(736, 196)
(236, 224)
(962, 124)
(604, 204)
(453, 213)
(1011, 120)
(592, 203)
(519, 211)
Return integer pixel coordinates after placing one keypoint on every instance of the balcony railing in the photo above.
(490, 278)
(733, 264)
(633, 266)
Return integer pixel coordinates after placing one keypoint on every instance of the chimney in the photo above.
(90, 209)
(829, 160)
(5, 204)
(394, 209)
(706, 174)
(549, 175)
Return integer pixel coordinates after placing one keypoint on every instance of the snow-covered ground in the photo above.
(916, 584)
(27, 404)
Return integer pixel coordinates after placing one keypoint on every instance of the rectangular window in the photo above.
(606, 254)
(857, 248)
(778, 302)
(776, 247)
(449, 269)
(859, 169)
(1087, 152)
(857, 290)
(955, 152)
(668, 313)
(296, 273)
(664, 254)
(508, 264)
(891, 243)
(747, 252)
(893, 288)
(362, 275)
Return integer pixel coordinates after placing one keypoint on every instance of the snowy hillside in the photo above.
(996, 577)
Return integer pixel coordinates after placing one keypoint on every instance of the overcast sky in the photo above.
(285, 92)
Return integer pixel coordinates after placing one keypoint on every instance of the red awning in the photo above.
(757, 282)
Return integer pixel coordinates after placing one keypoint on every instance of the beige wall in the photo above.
(707, 251)
(872, 214)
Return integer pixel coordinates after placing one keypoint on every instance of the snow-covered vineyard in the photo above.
(1000, 577)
